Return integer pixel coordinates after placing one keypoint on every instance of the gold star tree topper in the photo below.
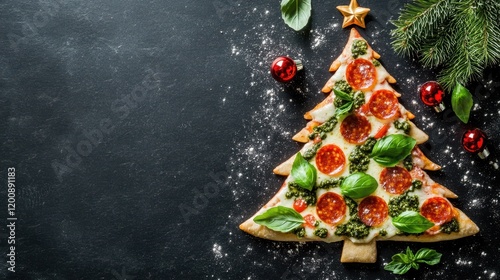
(353, 14)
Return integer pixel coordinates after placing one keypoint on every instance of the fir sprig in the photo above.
(460, 37)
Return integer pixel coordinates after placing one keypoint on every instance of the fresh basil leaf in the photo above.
(358, 185)
(296, 13)
(401, 257)
(391, 149)
(342, 95)
(461, 102)
(280, 218)
(411, 222)
(428, 256)
(344, 109)
(409, 253)
(400, 264)
(303, 173)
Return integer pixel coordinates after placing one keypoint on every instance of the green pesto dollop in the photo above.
(376, 63)
(343, 85)
(408, 163)
(353, 228)
(310, 153)
(401, 203)
(353, 206)
(321, 232)
(324, 128)
(359, 99)
(359, 47)
(403, 125)
(330, 183)
(451, 226)
(300, 232)
(416, 185)
(382, 232)
(294, 191)
(359, 158)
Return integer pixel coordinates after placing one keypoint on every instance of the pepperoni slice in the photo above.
(355, 128)
(373, 211)
(384, 104)
(310, 221)
(395, 180)
(331, 208)
(330, 159)
(361, 74)
(437, 210)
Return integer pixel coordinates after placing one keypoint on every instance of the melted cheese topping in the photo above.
(374, 169)
(324, 113)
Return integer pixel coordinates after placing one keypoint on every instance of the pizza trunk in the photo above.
(359, 177)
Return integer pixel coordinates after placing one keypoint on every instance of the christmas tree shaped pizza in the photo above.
(360, 176)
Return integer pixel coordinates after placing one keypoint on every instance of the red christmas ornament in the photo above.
(474, 141)
(431, 93)
(283, 68)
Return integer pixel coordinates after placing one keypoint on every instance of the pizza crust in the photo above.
(420, 160)
(302, 136)
(328, 99)
(417, 134)
(359, 252)
(285, 167)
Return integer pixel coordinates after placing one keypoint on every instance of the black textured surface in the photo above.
(144, 132)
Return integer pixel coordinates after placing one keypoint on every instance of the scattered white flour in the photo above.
(217, 250)
(268, 134)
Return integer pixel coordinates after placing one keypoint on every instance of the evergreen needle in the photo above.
(459, 38)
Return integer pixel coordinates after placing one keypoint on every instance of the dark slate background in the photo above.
(144, 132)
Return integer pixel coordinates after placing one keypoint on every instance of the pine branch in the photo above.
(436, 50)
(418, 21)
(461, 37)
(489, 11)
(466, 62)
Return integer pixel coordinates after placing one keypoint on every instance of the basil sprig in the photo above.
(296, 13)
(280, 218)
(391, 149)
(303, 173)
(358, 185)
(411, 222)
(461, 102)
(403, 262)
(347, 106)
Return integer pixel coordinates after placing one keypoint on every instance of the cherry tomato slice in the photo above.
(299, 205)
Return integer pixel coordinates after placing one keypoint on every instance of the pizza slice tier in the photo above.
(359, 177)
